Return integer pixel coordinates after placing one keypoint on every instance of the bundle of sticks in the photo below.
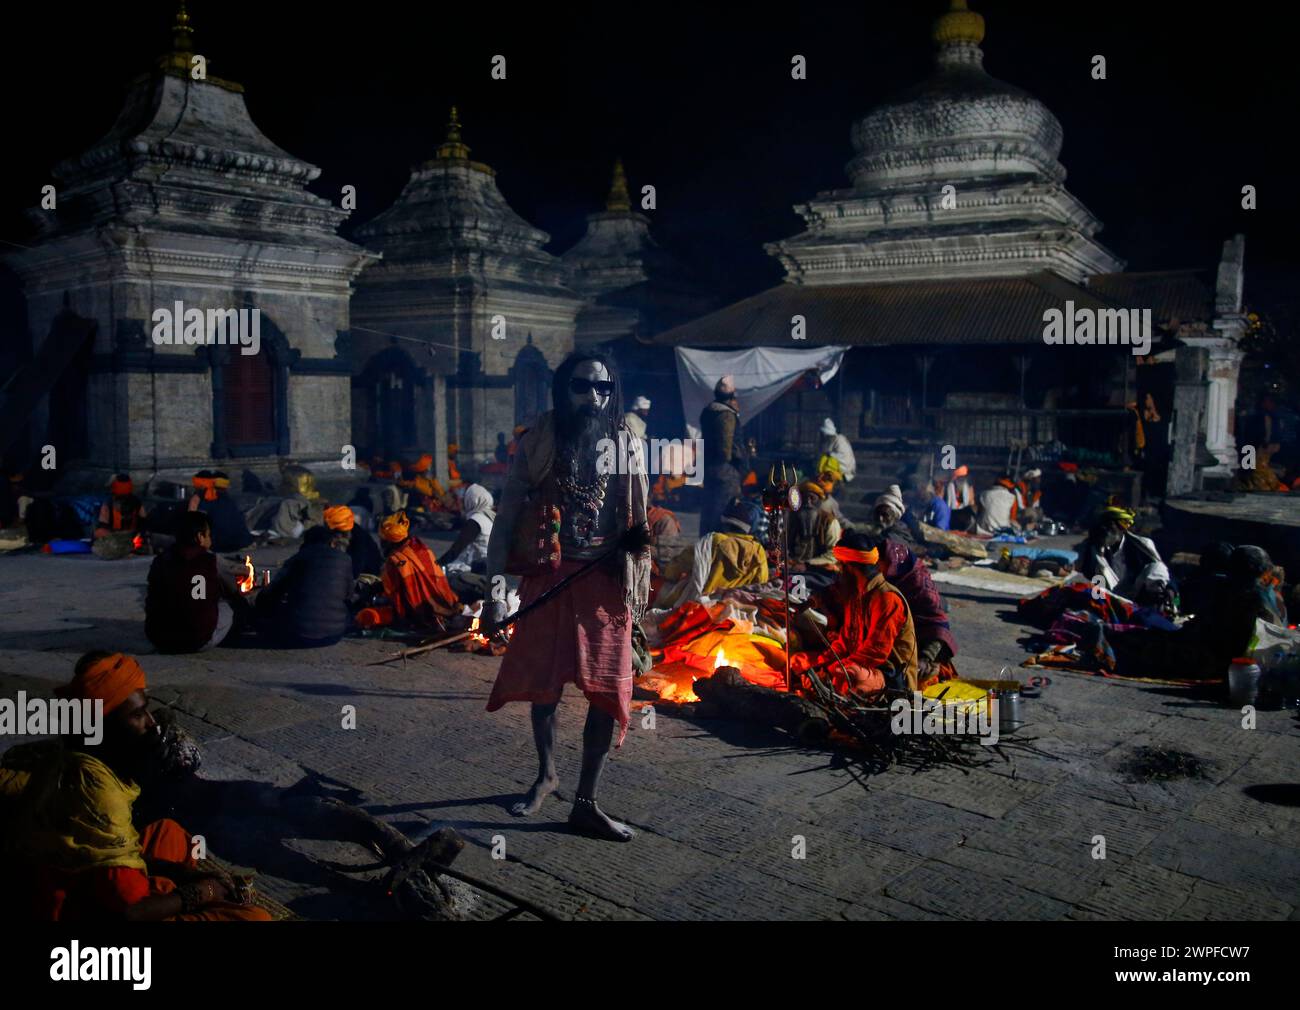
(823, 716)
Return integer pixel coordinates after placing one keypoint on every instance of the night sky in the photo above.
(699, 101)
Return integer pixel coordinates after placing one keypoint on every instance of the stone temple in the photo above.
(441, 319)
(185, 200)
(936, 265)
(442, 322)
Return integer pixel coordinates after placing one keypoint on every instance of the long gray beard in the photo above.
(578, 447)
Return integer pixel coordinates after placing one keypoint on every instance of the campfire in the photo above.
(475, 639)
(476, 642)
(247, 580)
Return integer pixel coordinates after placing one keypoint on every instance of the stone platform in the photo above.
(1269, 520)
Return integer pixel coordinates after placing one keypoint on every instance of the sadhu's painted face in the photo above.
(590, 389)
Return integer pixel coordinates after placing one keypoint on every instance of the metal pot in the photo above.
(1009, 715)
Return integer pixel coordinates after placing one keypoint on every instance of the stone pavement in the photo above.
(718, 806)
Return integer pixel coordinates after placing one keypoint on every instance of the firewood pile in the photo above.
(860, 725)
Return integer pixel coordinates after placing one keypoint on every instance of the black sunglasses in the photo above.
(583, 386)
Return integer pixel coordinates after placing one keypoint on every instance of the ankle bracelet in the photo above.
(583, 799)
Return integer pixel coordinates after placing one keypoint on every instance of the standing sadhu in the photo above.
(583, 634)
(413, 581)
(720, 428)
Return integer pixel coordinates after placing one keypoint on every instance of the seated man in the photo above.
(422, 483)
(1204, 646)
(415, 585)
(307, 604)
(1029, 497)
(929, 507)
(895, 520)
(836, 453)
(299, 509)
(959, 494)
(188, 607)
(827, 480)
(935, 644)
(212, 496)
(465, 561)
(727, 559)
(1128, 565)
(870, 642)
(71, 833)
(340, 520)
(813, 536)
(123, 512)
(999, 508)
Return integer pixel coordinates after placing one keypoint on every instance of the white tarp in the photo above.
(761, 375)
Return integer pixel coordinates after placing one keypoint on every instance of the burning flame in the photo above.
(246, 582)
(475, 638)
(721, 660)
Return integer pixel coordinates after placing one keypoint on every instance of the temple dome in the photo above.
(958, 124)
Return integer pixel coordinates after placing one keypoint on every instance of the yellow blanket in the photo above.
(75, 813)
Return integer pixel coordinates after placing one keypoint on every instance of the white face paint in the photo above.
(586, 398)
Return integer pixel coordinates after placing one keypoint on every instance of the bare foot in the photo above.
(591, 820)
(533, 799)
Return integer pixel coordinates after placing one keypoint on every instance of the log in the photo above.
(731, 696)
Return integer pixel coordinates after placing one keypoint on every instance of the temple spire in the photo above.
(453, 148)
(958, 35)
(182, 43)
(618, 198)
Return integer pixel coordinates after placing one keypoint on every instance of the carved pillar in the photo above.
(440, 429)
(1187, 420)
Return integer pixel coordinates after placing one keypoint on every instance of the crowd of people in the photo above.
(867, 616)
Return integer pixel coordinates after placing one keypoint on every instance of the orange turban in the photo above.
(207, 485)
(395, 528)
(120, 488)
(815, 490)
(423, 463)
(110, 680)
(961, 471)
(339, 517)
(870, 557)
(452, 448)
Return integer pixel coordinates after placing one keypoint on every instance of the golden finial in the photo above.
(959, 25)
(618, 198)
(182, 33)
(452, 148)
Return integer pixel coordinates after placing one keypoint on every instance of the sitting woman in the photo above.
(870, 642)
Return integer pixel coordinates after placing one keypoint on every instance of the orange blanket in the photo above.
(416, 584)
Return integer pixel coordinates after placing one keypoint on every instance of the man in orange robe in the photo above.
(71, 827)
(413, 581)
(421, 480)
(871, 642)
